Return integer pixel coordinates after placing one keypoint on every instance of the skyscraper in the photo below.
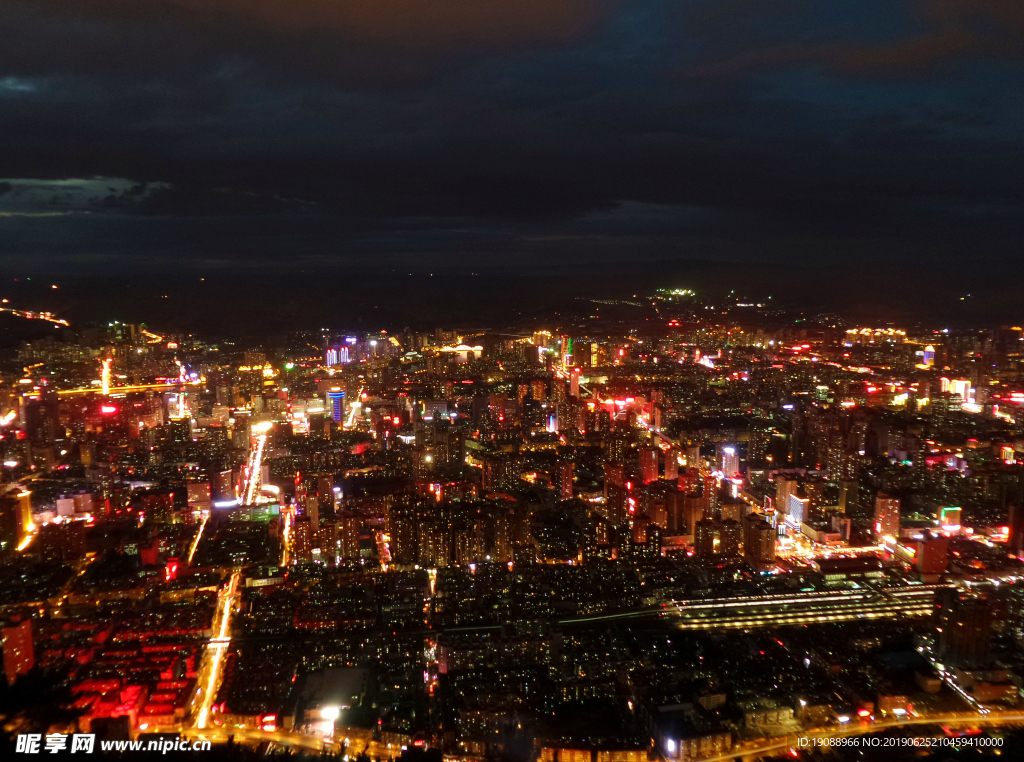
(19, 651)
(302, 542)
(704, 538)
(336, 405)
(671, 465)
(887, 516)
(965, 628)
(848, 491)
(758, 542)
(648, 464)
(563, 479)
(784, 487)
(1015, 543)
(730, 533)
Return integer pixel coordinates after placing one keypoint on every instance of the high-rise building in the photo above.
(302, 539)
(327, 540)
(671, 465)
(325, 497)
(675, 516)
(849, 490)
(570, 416)
(711, 498)
(693, 459)
(797, 509)
(784, 487)
(814, 490)
(694, 509)
(729, 459)
(931, 553)
(563, 479)
(614, 475)
(704, 538)
(19, 651)
(336, 405)
(648, 464)
(1015, 542)
(965, 628)
(501, 471)
(758, 542)
(15, 518)
(887, 516)
(730, 534)
(349, 526)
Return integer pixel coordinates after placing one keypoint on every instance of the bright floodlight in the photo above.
(331, 712)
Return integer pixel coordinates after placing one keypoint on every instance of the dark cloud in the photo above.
(943, 32)
(392, 23)
(537, 134)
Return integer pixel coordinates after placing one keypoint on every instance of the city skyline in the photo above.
(546, 381)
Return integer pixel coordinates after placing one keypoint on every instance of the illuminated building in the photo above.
(570, 417)
(328, 540)
(563, 479)
(704, 538)
(617, 504)
(758, 542)
(302, 539)
(960, 387)
(64, 542)
(843, 526)
(797, 509)
(198, 496)
(887, 516)
(648, 464)
(223, 485)
(336, 405)
(10, 525)
(325, 495)
(931, 555)
(1015, 540)
(711, 499)
(849, 489)
(965, 628)
(728, 460)
(19, 651)
(15, 519)
(614, 474)
(336, 354)
(574, 383)
(671, 465)
(501, 471)
(730, 534)
(693, 460)
(694, 509)
(734, 510)
(349, 526)
(784, 487)
(640, 524)
(814, 489)
(949, 518)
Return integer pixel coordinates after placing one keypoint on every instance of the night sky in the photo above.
(328, 155)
